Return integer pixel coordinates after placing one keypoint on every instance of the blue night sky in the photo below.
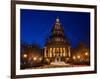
(37, 24)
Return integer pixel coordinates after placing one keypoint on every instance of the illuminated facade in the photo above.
(57, 47)
(56, 52)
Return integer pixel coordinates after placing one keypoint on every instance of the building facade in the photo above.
(57, 47)
(57, 52)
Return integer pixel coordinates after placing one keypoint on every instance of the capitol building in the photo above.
(57, 52)
(57, 47)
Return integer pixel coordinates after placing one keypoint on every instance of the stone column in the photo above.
(63, 52)
(69, 53)
(49, 52)
(66, 52)
(52, 52)
(59, 51)
(45, 52)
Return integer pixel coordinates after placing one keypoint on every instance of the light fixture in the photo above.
(47, 60)
(34, 58)
(86, 53)
(25, 55)
(74, 57)
(78, 56)
(40, 58)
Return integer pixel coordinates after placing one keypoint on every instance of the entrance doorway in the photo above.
(57, 58)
